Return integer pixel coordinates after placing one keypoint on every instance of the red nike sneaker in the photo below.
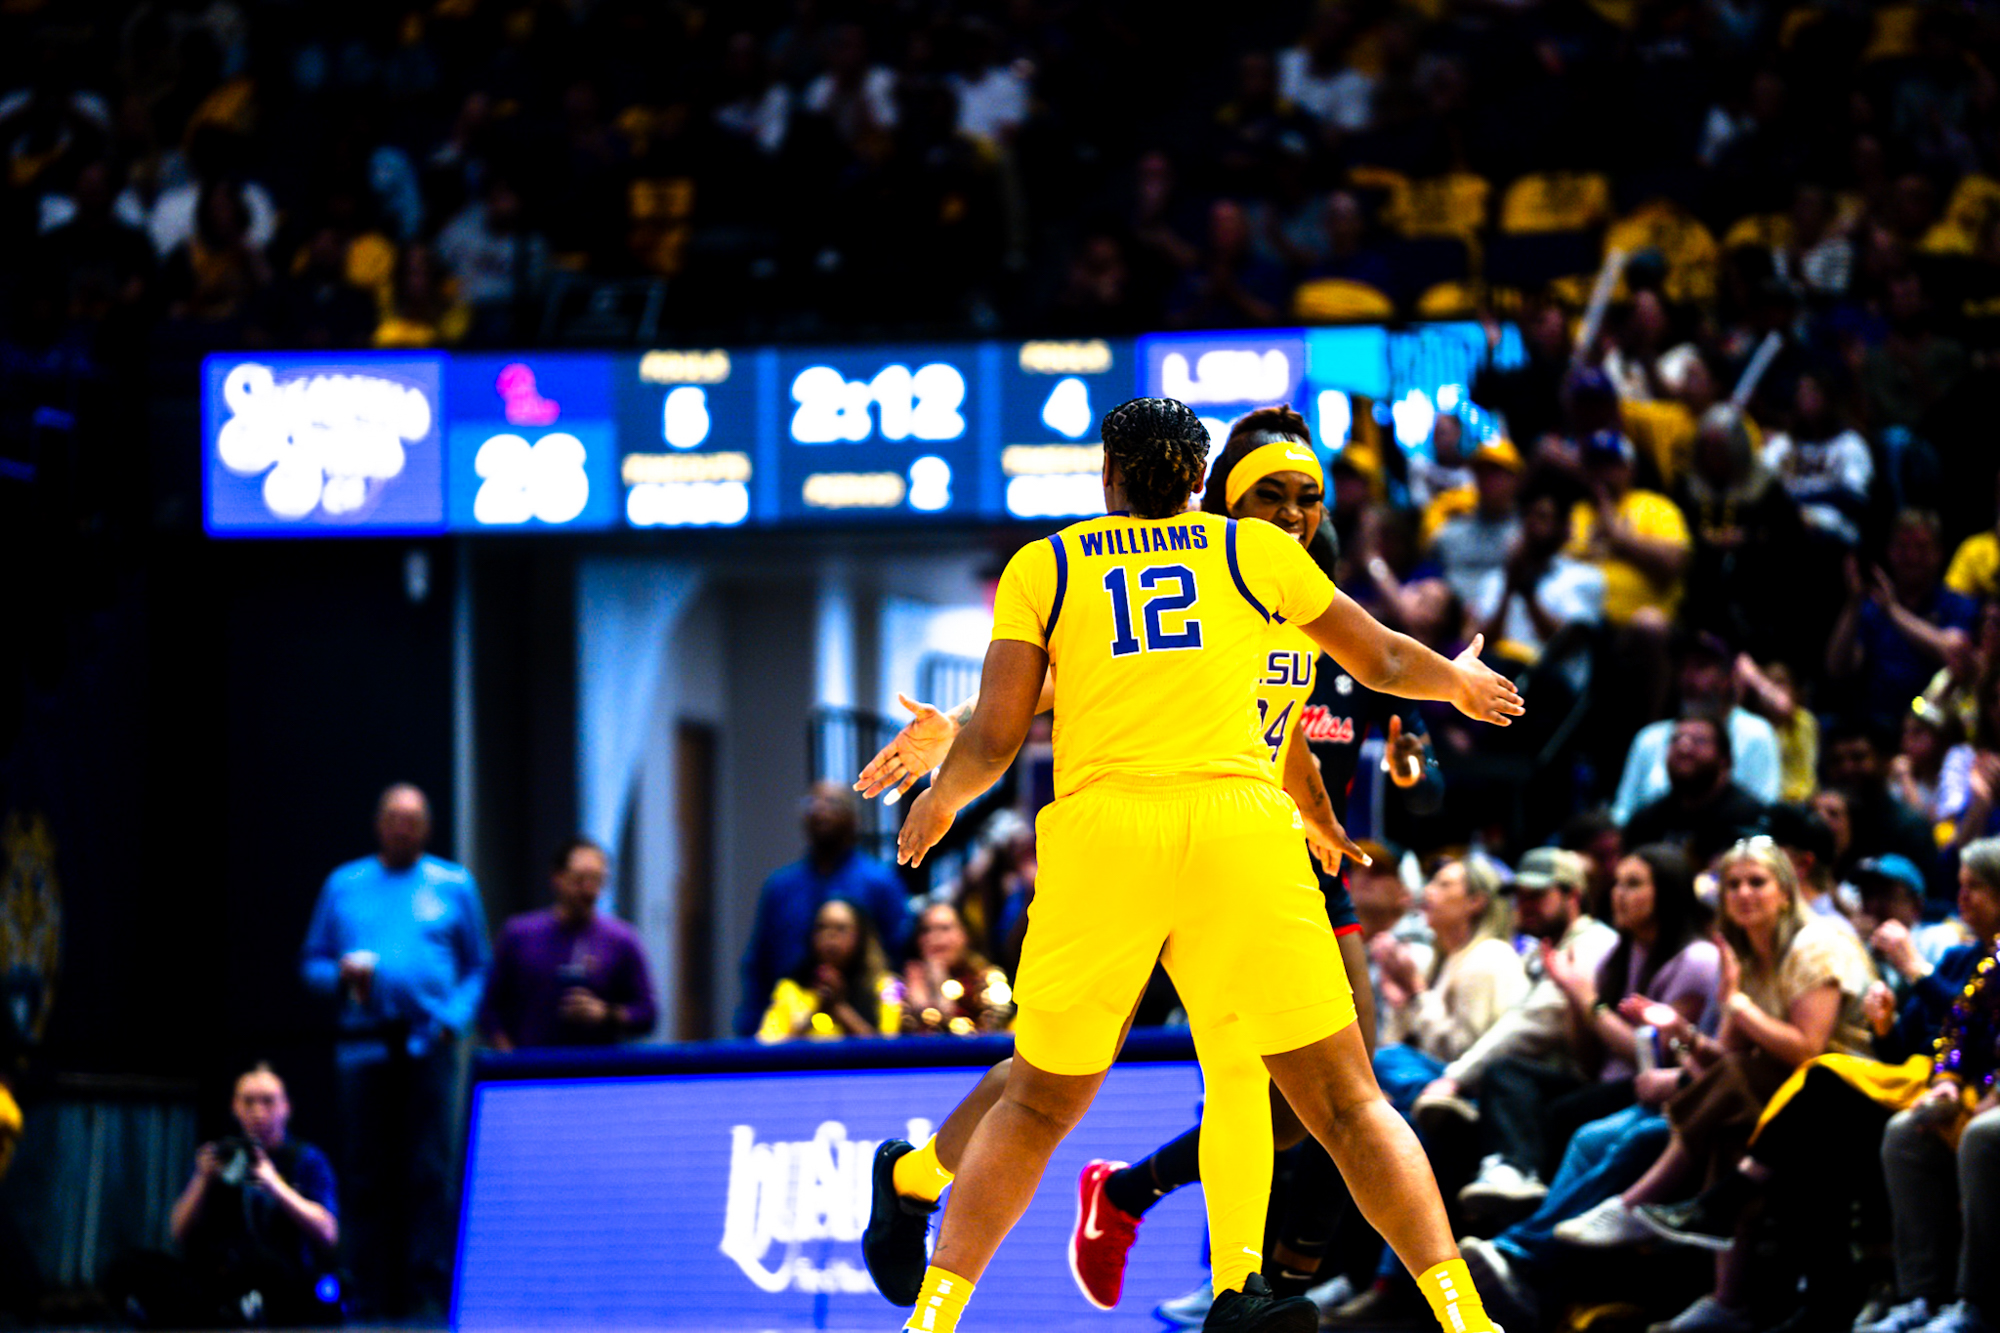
(1103, 1234)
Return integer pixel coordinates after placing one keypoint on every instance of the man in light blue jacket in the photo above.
(398, 941)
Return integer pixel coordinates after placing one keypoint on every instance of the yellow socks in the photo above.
(940, 1302)
(919, 1174)
(1454, 1300)
(1235, 1155)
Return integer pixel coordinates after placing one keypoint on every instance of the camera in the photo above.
(234, 1157)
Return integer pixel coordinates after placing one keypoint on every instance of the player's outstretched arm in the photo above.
(1324, 833)
(1394, 663)
(923, 743)
(1010, 687)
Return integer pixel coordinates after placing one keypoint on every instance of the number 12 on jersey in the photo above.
(1158, 604)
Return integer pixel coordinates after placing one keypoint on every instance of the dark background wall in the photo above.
(189, 733)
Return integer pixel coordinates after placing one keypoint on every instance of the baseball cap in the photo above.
(1549, 868)
(1500, 452)
(1891, 866)
(1608, 446)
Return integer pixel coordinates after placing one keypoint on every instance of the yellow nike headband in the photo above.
(1261, 462)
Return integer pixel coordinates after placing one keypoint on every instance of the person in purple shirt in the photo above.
(793, 895)
(565, 976)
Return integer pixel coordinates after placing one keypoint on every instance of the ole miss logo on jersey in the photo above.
(1324, 727)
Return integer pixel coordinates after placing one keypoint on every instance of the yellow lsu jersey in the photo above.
(1284, 683)
(1159, 632)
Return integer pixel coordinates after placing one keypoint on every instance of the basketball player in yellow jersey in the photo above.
(1267, 470)
(1170, 838)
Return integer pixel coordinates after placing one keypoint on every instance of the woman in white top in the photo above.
(1433, 1014)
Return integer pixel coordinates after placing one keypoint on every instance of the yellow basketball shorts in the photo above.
(1210, 876)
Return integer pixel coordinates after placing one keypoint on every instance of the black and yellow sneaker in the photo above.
(1255, 1310)
(893, 1245)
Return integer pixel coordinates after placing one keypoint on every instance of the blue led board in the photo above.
(1223, 375)
(868, 433)
(360, 443)
(1054, 396)
(531, 443)
(321, 444)
(694, 436)
(713, 1201)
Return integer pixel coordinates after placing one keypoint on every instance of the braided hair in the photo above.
(1160, 446)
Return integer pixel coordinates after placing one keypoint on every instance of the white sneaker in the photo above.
(1331, 1294)
(1707, 1315)
(1958, 1317)
(1189, 1311)
(1500, 1181)
(1904, 1318)
(1605, 1227)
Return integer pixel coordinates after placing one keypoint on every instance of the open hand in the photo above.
(927, 822)
(1669, 1021)
(1568, 977)
(1484, 695)
(917, 749)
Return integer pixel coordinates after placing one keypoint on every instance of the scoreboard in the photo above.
(357, 443)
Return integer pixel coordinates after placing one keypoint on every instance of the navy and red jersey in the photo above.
(1338, 718)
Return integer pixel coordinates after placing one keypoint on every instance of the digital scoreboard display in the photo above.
(323, 444)
(398, 443)
(531, 443)
(875, 432)
(1054, 397)
(690, 423)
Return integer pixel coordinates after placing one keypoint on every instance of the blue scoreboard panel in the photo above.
(694, 453)
(531, 443)
(871, 432)
(396, 443)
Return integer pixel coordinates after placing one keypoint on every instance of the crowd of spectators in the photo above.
(1740, 604)
(413, 172)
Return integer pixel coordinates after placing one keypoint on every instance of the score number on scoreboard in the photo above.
(873, 420)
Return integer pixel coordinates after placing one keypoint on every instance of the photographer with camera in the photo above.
(258, 1228)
